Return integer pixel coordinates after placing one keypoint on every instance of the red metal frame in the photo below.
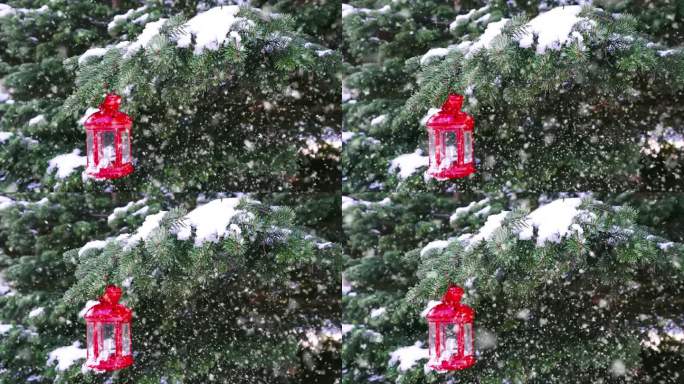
(451, 119)
(450, 311)
(109, 119)
(109, 311)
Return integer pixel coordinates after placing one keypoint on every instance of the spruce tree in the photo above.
(239, 128)
(573, 286)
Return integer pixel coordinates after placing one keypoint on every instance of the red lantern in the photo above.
(108, 141)
(450, 141)
(109, 333)
(450, 326)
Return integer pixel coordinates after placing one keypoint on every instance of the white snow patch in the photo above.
(211, 221)
(378, 120)
(94, 244)
(408, 163)
(485, 233)
(346, 328)
(428, 115)
(36, 312)
(461, 19)
(348, 202)
(87, 114)
(89, 304)
(553, 220)
(150, 224)
(210, 28)
(407, 357)
(142, 19)
(462, 211)
(40, 119)
(4, 136)
(6, 10)
(437, 244)
(431, 304)
(151, 30)
(4, 328)
(66, 163)
(120, 211)
(66, 356)
(92, 52)
(377, 312)
(666, 245)
(553, 28)
(432, 53)
(324, 52)
(350, 10)
(120, 19)
(485, 40)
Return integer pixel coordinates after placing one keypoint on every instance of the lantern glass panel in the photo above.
(432, 335)
(431, 146)
(468, 339)
(449, 149)
(89, 147)
(126, 339)
(467, 147)
(125, 147)
(107, 340)
(89, 341)
(449, 340)
(106, 151)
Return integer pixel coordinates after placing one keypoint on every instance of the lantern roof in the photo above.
(109, 309)
(109, 116)
(451, 114)
(451, 308)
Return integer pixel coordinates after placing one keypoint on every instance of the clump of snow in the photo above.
(120, 211)
(665, 245)
(87, 114)
(6, 10)
(408, 163)
(553, 28)
(40, 119)
(346, 328)
(142, 19)
(485, 233)
(4, 136)
(324, 52)
(348, 202)
(89, 304)
(120, 19)
(150, 224)
(4, 328)
(92, 52)
(463, 211)
(432, 53)
(378, 120)
(66, 356)
(463, 19)
(429, 114)
(210, 28)
(407, 357)
(36, 312)
(377, 312)
(350, 10)
(431, 304)
(211, 221)
(553, 220)
(151, 30)
(66, 164)
(492, 31)
(433, 245)
(94, 244)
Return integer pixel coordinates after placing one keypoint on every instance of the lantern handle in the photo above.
(111, 295)
(453, 295)
(111, 102)
(453, 103)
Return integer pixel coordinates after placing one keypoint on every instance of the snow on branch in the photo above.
(66, 164)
